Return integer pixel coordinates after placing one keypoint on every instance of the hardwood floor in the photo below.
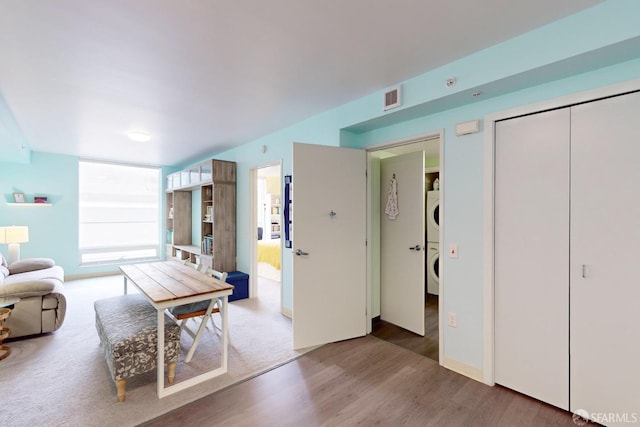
(364, 381)
(427, 346)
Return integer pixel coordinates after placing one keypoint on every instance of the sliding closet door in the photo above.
(605, 254)
(532, 255)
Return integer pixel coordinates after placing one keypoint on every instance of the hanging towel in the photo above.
(392, 202)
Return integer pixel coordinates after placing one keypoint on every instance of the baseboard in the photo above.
(287, 312)
(463, 369)
(375, 322)
(91, 275)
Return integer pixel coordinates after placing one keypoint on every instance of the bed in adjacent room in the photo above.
(269, 252)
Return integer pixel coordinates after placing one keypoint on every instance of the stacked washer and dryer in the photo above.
(433, 239)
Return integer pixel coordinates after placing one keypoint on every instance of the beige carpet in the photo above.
(267, 271)
(62, 378)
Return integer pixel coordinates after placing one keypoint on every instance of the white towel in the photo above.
(392, 202)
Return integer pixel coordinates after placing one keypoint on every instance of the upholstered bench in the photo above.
(128, 330)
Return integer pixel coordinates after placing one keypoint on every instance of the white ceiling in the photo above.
(205, 75)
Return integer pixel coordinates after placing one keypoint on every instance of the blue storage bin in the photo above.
(240, 281)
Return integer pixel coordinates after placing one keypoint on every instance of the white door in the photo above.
(329, 244)
(402, 243)
(605, 242)
(532, 255)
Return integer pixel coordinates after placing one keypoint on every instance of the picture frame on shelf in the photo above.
(40, 199)
(209, 215)
(19, 198)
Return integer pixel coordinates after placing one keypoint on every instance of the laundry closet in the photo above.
(403, 240)
(432, 229)
(567, 247)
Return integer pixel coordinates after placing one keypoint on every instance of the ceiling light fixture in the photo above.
(139, 136)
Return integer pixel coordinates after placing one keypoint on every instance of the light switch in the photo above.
(453, 251)
(453, 320)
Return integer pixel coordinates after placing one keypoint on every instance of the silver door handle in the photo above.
(415, 248)
(300, 252)
(584, 271)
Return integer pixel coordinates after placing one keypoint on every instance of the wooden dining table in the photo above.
(170, 283)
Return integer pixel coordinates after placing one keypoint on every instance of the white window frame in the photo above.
(125, 253)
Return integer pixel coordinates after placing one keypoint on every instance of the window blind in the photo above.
(119, 212)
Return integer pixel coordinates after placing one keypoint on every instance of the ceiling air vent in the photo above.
(392, 98)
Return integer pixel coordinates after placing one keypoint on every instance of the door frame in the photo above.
(372, 204)
(489, 199)
(253, 227)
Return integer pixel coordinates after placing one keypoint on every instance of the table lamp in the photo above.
(14, 235)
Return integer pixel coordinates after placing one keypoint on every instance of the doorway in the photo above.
(267, 223)
(427, 236)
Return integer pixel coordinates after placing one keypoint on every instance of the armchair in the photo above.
(39, 284)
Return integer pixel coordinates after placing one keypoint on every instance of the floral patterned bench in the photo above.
(127, 326)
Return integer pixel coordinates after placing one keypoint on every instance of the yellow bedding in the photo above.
(269, 252)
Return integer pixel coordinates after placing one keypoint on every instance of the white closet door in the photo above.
(605, 246)
(532, 255)
(401, 269)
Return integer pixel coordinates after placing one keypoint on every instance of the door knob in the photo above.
(415, 248)
(300, 252)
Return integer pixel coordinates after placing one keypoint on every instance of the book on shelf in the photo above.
(207, 245)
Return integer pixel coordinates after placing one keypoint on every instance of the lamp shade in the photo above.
(14, 234)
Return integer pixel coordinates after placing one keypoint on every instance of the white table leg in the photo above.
(182, 385)
(225, 333)
(160, 367)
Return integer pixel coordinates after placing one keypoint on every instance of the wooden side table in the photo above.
(6, 304)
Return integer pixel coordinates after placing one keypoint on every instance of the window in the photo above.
(119, 218)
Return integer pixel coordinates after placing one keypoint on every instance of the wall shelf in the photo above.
(29, 204)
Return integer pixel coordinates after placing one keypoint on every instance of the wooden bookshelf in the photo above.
(216, 180)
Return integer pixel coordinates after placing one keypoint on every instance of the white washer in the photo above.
(433, 268)
(433, 216)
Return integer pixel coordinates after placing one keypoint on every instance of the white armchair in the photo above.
(39, 284)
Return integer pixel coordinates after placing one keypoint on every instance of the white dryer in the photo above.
(433, 268)
(433, 216)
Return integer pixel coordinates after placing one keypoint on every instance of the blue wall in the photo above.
(592, 49)
(463, 183)
(597, 47)
(53, 230)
